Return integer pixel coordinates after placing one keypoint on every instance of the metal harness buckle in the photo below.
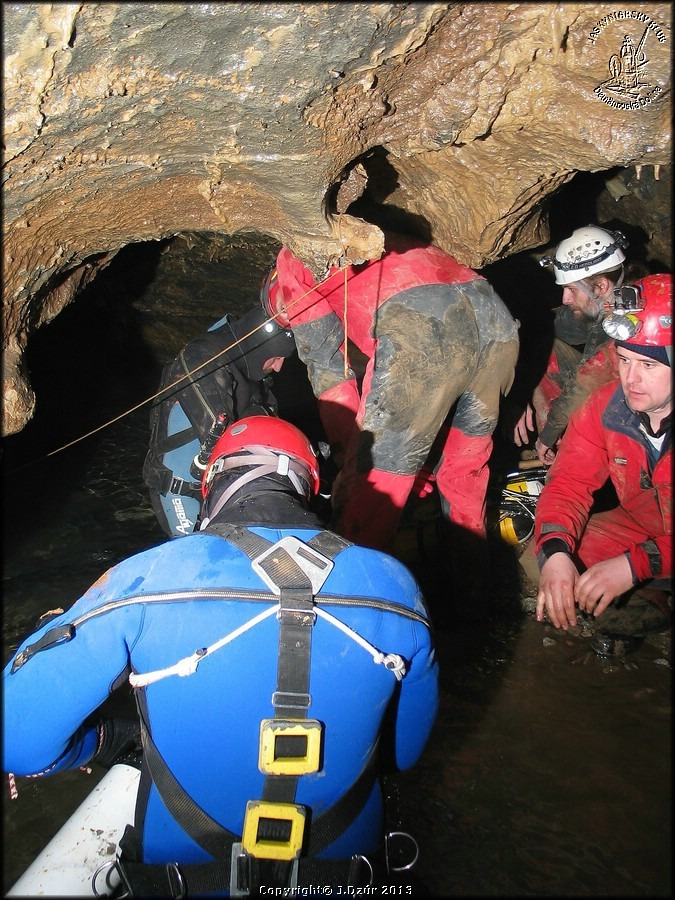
(389, 851)
(111, 885)
(240, 859)
(353, 871)
(182, 487)
(176, 881)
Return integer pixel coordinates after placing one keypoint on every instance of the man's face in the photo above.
(646, 384)
(583, 302)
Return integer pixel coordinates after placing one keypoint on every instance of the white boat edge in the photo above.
(87, 841)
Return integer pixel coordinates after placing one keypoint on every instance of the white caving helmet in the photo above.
(587, 251)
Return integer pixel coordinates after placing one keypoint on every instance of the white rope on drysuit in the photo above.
(391, 661)
(188, 665)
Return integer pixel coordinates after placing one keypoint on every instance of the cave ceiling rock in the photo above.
(131, 122)
(499, 109)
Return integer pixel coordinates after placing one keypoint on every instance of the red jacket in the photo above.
(317, 316)
(403, 266)
(603, 441)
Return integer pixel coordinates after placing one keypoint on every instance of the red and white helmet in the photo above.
(587, 251)
(264, 445)
(270, 298)
(643, 317)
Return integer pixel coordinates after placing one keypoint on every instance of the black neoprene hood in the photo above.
(259, 339)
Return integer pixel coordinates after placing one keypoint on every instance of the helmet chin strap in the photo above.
(593, 297)
(266, 462)
(586, 289)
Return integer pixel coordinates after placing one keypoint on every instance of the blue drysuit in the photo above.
(160, 606)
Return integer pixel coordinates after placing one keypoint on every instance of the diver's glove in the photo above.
(119, 741)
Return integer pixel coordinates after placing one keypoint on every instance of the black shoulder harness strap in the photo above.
(326, 542)
(234, 868)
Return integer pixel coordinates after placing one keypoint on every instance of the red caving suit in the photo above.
(571, 376)
(604, 440)
(438, 340)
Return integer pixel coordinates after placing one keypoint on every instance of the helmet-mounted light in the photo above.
(628, 299)
(622, 325)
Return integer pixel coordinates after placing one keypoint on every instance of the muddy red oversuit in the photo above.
(571, 376)
(604, 440)
(437, 339)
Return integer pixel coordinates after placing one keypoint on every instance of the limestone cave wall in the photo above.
(135, 122)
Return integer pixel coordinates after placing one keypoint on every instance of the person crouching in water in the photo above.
(616, 565)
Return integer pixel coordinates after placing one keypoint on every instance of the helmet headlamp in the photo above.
(628, 299)
(621, 326)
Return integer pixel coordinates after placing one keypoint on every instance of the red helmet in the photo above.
(269, 298)
(645, 319)
(268, 444)
(657, 316)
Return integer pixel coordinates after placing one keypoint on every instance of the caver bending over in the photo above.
(226, 372)
(278, 669)
(441, 348)
(588, 265)
(616, 564)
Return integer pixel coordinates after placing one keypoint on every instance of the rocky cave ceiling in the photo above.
(133, 122)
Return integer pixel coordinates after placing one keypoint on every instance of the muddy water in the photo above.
(548, 772)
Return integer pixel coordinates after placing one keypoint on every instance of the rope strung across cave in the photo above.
(344, 311)
(171, 386)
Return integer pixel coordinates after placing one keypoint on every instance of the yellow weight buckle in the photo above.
(305, 746)
(286, 819)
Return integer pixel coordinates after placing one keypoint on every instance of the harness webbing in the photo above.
(216, 839)
(195, 384)
(266, 462)
(178, 439)
(291, 699)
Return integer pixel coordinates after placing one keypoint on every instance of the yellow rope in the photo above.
(344, 306)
